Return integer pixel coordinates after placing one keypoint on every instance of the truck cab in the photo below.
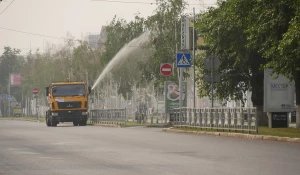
(68, 102)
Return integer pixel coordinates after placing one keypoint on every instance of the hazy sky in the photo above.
(57, 17)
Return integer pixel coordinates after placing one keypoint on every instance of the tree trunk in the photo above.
(257, 99)
(257, 84)
(298, 116)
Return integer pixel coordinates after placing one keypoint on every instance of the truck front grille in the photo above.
(68, 105)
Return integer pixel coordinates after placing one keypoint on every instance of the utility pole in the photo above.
(194, 58)
(8, 98)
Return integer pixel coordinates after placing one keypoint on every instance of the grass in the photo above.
(281, 132)
(262, 130)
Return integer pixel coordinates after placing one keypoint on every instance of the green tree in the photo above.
(224, 29)
(164, 25)
(274, 31)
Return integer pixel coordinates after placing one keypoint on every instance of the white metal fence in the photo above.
(221, 119)
(117, 116)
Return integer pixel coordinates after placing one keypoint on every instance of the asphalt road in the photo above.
(30, 148)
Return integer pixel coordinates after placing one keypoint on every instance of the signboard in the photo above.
(35, 90)
(279, 120)
(172, 96)
(166, 69)
(15, 79)
(278, 93)
(185, 25)
(183, 60)
(212, 62)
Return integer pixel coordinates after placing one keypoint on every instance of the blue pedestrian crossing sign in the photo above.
(3, 96)
(183, 60)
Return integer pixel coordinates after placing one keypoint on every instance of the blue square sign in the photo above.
(183, 60)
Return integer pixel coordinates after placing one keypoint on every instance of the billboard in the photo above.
(172, 96)
(278, 93)
(15, 79)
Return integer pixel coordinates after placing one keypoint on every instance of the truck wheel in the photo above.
(53, 123)
(82, 123)
(48, 123)
(75, 123)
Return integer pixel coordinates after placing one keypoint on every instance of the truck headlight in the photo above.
(54, 114)
(84, 113)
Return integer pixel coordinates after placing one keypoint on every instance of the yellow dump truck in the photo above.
(68, 102)
(17, 112)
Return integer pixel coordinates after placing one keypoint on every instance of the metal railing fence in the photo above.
(108, 116)
(220, 119)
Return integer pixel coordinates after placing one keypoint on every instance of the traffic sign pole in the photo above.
(35, 91)
(194, 58)
(212, 82)
(8, 89)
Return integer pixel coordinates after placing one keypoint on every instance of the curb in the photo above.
(236, 135)
(107, 125)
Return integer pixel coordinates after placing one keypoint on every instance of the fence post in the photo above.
(249, 119)
(195, 117)
(205, 117)
(242, 119)
(217, 118)
(234, 119)
(190, 116)
(222, 119)
(200, 118)
(125, 111)
(211, 118)
(229, 119)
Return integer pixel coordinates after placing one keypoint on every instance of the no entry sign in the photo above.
(166, 69)
(35, 90)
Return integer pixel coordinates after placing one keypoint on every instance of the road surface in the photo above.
(31, 148)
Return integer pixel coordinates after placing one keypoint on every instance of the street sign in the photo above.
(166, 69)
(183, 60)
(208, 64)
(3, 96)
(208, 78)
(9, 97)
(35, 90)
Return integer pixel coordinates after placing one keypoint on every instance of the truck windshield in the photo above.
(68, 90)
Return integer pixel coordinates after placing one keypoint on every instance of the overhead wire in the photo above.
(30, 33)
(54, 37)
(139, 2)
(126, 2)
(7, 7)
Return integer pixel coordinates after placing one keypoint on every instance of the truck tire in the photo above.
(82, 123)
(75, 123)
(48, 123)
(53, 123)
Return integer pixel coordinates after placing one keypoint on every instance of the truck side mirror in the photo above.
(47, 91)
(89, 89)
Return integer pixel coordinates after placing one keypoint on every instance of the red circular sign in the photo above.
(166, 69)
(35, 90)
